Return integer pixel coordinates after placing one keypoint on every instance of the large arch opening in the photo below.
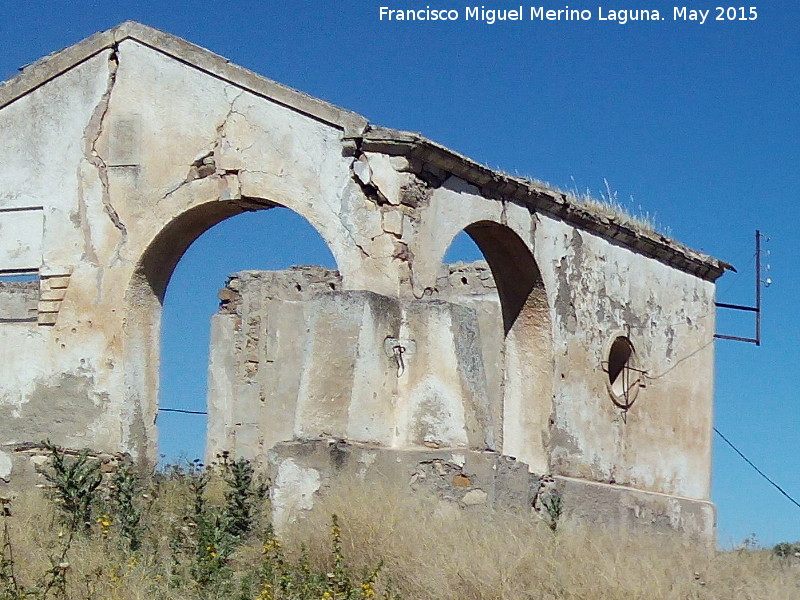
(518, 345)
(171, 300)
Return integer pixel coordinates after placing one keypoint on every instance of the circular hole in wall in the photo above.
(620, 356)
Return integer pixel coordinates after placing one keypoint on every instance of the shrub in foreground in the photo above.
(197, 533)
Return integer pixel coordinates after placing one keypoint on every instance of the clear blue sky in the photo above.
(700, 124)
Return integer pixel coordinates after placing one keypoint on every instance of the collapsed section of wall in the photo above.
(293, 357)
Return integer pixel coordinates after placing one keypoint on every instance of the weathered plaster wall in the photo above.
(595, 291)
(19, 301)
(599, 291)
(121, 179)
(659, 443)
(120, 151)
(461, 479)
(295, 357)
(51, 385)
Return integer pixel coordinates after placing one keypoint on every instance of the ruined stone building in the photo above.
(580, 359)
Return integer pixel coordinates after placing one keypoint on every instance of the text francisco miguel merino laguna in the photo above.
(540, 13)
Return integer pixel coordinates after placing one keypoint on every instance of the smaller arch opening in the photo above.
(515, 333)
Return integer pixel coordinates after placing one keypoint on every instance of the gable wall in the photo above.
(130, 155)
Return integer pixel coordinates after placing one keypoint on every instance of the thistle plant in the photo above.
(242, 496)
(125, 497)
(74, 483)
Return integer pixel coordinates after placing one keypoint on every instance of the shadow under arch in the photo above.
(144, 300)
(527, 361)
(514, 268)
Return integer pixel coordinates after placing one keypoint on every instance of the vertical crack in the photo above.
(92, 133)
(224, 124)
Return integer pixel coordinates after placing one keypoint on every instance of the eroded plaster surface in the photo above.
(296, 357)
(121, 150)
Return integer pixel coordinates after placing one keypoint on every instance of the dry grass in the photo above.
(430, 550)
(435, 552)
(609, 205)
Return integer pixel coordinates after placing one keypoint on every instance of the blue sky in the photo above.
(695, 124)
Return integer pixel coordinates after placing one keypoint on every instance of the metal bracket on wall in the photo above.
(757, 308)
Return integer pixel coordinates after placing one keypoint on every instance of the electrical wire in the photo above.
(186, 412)
(759, 471)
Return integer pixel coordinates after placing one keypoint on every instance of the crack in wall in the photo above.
(362, 174)
(221, 135)
(206, 165)
(92, 134)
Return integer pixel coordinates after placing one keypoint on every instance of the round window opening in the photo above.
(623, 377)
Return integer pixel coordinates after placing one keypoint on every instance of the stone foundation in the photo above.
(302, 471)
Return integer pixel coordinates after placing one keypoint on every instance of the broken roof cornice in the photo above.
(377, 139)
(546, 200)
(43, 70)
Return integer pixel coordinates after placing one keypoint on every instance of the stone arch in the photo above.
(528, 342)
(144, 295)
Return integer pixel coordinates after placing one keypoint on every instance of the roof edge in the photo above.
(543, 199)
(378, 139)
(38, 73)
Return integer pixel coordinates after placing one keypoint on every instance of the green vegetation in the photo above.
(201, 533)
(74, 486)
(186, 532)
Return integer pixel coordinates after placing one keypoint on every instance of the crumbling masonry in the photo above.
(588, 371)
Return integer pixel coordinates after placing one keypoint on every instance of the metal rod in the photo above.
(736, 306)
(756, 309)
(758, 287)
(736, 338)
(20, 208)
(186, 412)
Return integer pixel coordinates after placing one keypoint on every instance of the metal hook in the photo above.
(398, 351)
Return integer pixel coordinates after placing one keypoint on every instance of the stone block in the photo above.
(56, 282)
(393, 222)
(51, 306)
(475, 497)
(47, 318)
(53, 295)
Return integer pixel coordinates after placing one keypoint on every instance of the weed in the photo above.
(281, 579)
(609, 205)
(9, 588)
(52, 583)
(554, 505)
(786, 549)
(74, 486)
(125, 497)
(242, 496)
(428, 552)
